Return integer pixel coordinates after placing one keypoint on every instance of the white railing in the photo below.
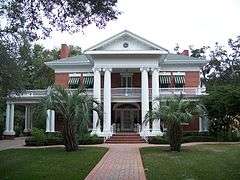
(38, 93)
(118, 92)
(30, 93)
(132, 92)
(185, 91)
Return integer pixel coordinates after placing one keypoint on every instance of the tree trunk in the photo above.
(70, 140)
(175, 136)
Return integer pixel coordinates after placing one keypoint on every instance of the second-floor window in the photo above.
(126, 80)
(174, 80)
(85, 80)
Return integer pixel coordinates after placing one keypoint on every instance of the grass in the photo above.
(220, 162)
(49, 163)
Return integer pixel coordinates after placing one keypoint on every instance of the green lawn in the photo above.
(49, 163)
(213, 162)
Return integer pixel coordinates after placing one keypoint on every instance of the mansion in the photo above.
(125, 73)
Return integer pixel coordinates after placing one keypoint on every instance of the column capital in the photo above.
(155, 69)
(96, 69)
(144, 69)
(107, 69)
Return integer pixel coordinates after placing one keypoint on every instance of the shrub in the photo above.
(194, 133)
(54, 138)
(39, 138)
(187, 139)
(158, 140)
(88, 139)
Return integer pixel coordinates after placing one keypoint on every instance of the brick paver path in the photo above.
(121, 162)
(10, 144)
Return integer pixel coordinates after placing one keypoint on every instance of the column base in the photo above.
(27, 130)
(9, 133)
(156, 132)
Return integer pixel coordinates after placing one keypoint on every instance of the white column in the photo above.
(48, 119)
(155, 94)
(145, 99)
(96, 96)
(52, 121)
(26, 120)
(200, 124)
(11, 124)
(7, 122)
(107, 102)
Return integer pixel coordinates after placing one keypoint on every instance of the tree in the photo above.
(75, 108)
(224, 64)
(173, 112)
(223, 105)
(36, 19)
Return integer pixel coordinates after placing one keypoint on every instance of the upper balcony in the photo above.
(117, 93)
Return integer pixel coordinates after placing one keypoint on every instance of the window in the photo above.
(74, 82)
(172, 80)
(126, 80)
(179, 81)
(85, 80)
(165, 81)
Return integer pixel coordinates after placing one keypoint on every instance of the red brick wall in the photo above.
(62, 79)
(193, 125)
(192, 79)
(116, 80)
(136, 80)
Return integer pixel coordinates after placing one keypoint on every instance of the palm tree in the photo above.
(173, 112)
(75, 107)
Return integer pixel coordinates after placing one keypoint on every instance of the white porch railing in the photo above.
(185, 91)
(131, 92)
(117, 92)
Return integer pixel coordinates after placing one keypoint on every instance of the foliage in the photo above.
(173, 112)
(49, 163)
(158, 140)
(36, 19)
(193, 162)
(224, 64)
(75, 107)
(223, 105)
(40, 138)
(88, 139)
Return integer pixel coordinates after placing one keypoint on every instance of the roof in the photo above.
(78, 60)
(124, 33)
(172, 56)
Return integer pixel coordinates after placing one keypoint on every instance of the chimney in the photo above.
(185, 53)
(64, 51)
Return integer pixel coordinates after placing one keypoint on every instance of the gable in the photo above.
(126, 41)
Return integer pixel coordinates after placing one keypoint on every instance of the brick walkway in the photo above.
(9, 144)
(121, 162)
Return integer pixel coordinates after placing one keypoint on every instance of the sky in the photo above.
(164, 22)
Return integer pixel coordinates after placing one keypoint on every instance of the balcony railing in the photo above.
(117, 92)
(131, 92)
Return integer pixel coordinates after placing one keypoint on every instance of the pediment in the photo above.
(126, 41)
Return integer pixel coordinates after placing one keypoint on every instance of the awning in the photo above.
(165, 79)
(74, 81)
(179, 79)
(88, 81)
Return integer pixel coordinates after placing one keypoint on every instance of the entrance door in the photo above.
(127, 121)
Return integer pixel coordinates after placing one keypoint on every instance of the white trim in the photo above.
(125, 32)
(127, 52)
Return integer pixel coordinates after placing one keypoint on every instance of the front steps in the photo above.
(125, 138)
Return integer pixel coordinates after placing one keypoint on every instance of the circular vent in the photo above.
(125, 45)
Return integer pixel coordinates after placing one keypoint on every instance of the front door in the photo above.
(127, 121)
